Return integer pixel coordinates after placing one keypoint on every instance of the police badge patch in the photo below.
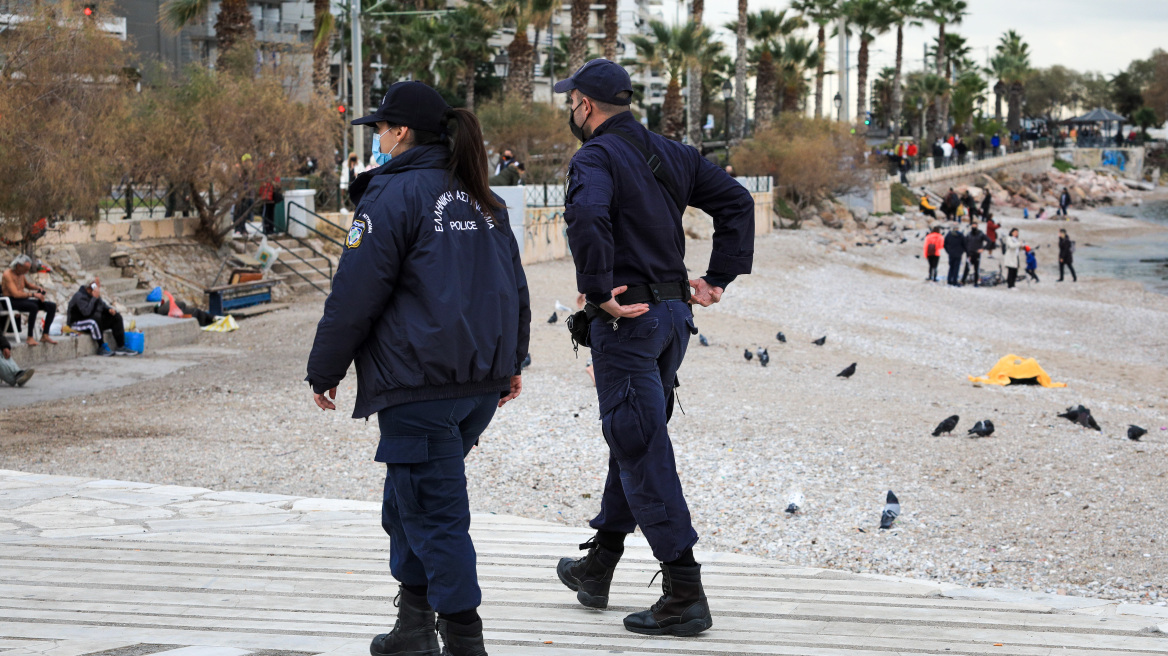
(356, 232)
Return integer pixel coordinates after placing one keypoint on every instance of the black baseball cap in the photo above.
(602, 80)
(411, 104)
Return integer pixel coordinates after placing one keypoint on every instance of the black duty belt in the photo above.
(655, 292)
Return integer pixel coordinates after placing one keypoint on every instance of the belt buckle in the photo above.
(656, 291)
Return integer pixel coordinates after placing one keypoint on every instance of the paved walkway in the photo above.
(131, 569)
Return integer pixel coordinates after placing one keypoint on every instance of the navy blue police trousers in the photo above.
(425, 509)
(636, 373)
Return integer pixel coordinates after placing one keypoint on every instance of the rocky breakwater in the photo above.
(1034, 191)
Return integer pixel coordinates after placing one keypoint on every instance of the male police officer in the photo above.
(627, 189)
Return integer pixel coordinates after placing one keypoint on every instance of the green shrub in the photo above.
(903, 197)
(1063, 165)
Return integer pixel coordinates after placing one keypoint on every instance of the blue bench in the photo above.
(224, 298)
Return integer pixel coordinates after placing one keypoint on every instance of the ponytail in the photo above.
(468, 159)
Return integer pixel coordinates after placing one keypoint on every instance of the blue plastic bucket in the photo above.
(136, 342)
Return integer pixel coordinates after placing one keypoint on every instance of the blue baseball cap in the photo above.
(601, 80)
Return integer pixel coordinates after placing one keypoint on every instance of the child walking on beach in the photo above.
(1031, 264)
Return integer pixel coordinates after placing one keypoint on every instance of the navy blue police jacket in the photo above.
(625, 229)
(429, 299)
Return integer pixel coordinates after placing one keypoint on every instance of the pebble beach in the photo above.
(1041, 505)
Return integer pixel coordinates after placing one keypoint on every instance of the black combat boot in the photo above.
(413, 633)
(591, 575)
(681, 611)
(462, 639)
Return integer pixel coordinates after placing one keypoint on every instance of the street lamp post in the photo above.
(921, 131)
(358, 104)
(727, 94)
(839, 103)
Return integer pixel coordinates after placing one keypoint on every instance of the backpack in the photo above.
(932, 252)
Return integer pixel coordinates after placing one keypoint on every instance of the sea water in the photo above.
(1143, 259)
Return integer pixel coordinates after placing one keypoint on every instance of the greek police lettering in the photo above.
(368, 222)
(449, 197)
(356, 233)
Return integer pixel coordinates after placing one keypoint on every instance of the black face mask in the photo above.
(577, 131)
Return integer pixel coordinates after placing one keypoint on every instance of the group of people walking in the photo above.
(430, 302)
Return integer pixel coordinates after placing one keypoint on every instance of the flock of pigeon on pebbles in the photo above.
(983, 428)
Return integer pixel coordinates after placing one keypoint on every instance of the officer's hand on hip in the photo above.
(704, 293)
(614, 308)
(323, 402)
(516, 388)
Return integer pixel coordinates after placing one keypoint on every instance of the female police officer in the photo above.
(430, 302)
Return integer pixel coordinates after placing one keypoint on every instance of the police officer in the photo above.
(626, 191)
(430, 302)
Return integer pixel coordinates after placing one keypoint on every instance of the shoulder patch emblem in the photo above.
(356, 233)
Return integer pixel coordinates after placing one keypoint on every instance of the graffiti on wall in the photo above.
(1114, 158)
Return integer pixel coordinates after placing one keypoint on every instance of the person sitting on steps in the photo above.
(27, 297)
(89, 313)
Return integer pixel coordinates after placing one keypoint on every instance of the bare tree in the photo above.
(63, 99)
(694, 84)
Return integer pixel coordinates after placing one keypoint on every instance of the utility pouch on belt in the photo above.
(580, 328)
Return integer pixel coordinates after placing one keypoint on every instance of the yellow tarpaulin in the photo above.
(222, 325)
(1014, 369)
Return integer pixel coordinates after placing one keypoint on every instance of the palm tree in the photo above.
(882, 96)
(929, 88)
(794, 58)
(694, 116)
(322, 31)
(1012, 63)
(672, 48)
(233, 25)
(956, 54)
(521, 14)
(611, 29)
(870, 18)
(578, 44)
(904, 12)
(822, 13)
(464, 33)
(968, 90)
(740, 73)
(944, 13)
(767, 27)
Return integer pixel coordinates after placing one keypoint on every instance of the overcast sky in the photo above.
(1086, 35)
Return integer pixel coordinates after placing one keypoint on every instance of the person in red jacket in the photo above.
(991, 233)
(934, 244)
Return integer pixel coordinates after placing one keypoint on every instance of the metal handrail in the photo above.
(319, 217)
(304, 277)
(315, 252)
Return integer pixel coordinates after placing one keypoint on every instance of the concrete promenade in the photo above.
(131, 569)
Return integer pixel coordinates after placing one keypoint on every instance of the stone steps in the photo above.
(159, 331)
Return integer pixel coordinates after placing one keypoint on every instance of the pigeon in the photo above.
(747, 354)
(983, 428)
(821, 341)
(946, 426)
(555, 318)
(781, 337)
(703, 341)
(794, 502)
(891, 511)
(847, 373)
(526, 362)
(1135, 432)
(1081, 415)
(560, 307)
(763, 357)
